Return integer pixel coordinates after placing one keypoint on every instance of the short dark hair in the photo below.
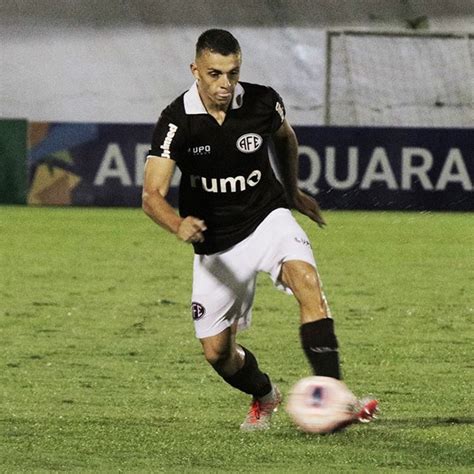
(217, 41)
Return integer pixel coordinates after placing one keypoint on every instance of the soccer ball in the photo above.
(321, 405)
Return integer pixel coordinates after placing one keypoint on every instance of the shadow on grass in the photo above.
(427, 422)
(391, 424)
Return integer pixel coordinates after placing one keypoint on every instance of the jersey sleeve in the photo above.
(168, 138)
(278, 110)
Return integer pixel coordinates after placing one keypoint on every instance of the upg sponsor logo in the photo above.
(200, 150)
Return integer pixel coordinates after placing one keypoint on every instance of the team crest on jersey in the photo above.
(198, 310)
(249, 143)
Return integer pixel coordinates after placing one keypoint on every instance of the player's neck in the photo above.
(218, 111)
(218, 114)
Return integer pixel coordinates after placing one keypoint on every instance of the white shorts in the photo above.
(224, 282)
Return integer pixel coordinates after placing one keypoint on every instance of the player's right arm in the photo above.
(158, 174)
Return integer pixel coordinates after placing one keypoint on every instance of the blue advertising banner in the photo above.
(89, 164)
(388, 168)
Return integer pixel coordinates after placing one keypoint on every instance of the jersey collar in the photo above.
(193, 104)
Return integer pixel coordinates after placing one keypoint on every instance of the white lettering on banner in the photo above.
(113, 166)
(215, 185)
(141, 151)
(309, 183)
(415, 165)
(352, 159)
(165, 146)
(454, 160)
(379, 159)
(421, 171)
(379, 169)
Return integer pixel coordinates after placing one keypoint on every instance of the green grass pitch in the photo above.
(100, 370)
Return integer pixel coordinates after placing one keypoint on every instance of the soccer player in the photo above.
(235, 213)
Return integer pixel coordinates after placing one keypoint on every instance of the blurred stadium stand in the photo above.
(123, 61)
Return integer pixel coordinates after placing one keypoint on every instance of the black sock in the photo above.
(249, 378)
(320, 346)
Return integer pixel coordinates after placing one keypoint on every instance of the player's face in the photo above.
(217, 76)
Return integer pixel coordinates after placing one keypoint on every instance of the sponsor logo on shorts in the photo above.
(198, 310)
(249, 143)
(303, 241)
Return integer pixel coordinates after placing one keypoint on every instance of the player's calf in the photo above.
(321, 347)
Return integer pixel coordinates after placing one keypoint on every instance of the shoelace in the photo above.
(255, 410)
(368, 411)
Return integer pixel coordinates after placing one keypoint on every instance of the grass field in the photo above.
(100, 370)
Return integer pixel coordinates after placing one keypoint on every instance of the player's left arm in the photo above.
(286, 151)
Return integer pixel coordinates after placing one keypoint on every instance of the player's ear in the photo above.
(194, 71)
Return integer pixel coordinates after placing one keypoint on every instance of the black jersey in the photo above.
(227, 179)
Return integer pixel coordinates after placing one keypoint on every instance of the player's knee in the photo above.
(217, 355)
